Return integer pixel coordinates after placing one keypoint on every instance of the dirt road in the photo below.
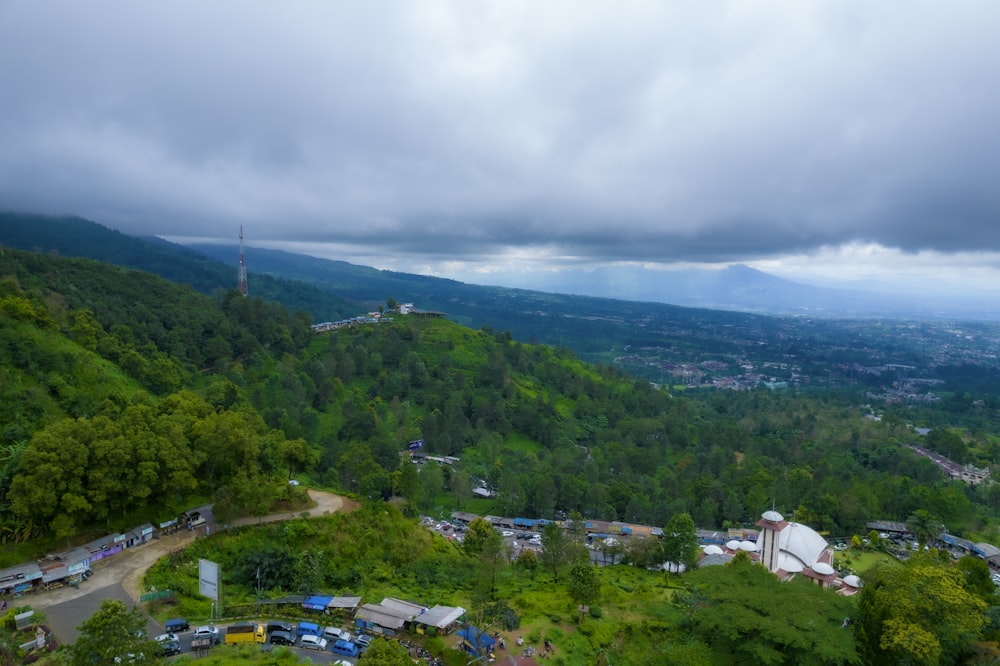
(123, 572)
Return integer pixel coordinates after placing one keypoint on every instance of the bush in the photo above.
(596, 612)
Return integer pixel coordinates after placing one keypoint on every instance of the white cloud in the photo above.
(516, 135)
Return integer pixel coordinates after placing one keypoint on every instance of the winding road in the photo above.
(120, 577)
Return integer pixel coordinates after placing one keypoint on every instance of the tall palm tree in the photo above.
(924, 525)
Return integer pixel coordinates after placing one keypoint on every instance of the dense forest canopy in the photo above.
(196, 395)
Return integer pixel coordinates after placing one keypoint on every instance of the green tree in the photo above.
(747, 615)
(382, 652)
(407, 480)
(924, 525)
(310, 571)
(558, 550)
(643, 553)
(493, 560)
(297, 456)
(920, 612)
(976, 577)
(431, 483)
(583, 584)
(680, 541)
(113, 632)
(478, 533)
(461, 487)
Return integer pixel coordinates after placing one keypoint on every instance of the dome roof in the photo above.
(801, 542)
(748, 546)
(713, 550)
(822, 568)
(852, 580)
(733, 544)
(772, 516)
(790, 564)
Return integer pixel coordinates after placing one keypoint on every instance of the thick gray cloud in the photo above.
(659, 131)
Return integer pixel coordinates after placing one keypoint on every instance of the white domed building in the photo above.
(788, 548)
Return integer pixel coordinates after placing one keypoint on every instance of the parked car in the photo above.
(312, 642)
(169, 646)
(336, 634)
(345, 648)
(278, 625)
(207, 632)
(282, 638)
(363, 640)
(176, 625)
(308, 629)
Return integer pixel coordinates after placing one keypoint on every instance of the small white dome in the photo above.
(822, 568)
(713, 550)
(733, 545)
(791, 565)
(772, 516)
(852, 580)
(748, 546)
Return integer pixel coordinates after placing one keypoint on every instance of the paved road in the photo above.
(119, 577)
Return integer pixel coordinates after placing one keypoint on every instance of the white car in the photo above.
(207, 631)
(336, 634)
(312, 642)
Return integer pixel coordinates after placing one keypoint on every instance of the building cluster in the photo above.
(967, 473)
(370, 318)
(594, 529)
(386, 618)
(375, 317)
(73, 566)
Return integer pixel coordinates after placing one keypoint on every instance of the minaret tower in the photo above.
(769, 544)
(243, 267)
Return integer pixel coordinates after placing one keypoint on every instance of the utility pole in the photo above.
(259, 591)
(244, 289)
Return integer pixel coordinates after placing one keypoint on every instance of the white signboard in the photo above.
(208, 579)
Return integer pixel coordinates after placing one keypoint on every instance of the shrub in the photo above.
(596, 612)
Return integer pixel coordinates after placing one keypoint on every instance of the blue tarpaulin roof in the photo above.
(316, 603)
(475, 640)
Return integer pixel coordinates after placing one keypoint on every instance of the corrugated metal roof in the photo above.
(441, 616)
(377, 615)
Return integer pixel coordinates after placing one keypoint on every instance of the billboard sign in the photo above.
(208, 579)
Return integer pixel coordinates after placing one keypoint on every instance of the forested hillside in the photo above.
(228, 389)
(100, 425)
(126, 398)
(663, 343)
(76, 237)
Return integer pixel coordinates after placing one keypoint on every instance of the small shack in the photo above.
(388, 617)
(438, 620)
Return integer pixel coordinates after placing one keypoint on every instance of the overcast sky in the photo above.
(808, 139)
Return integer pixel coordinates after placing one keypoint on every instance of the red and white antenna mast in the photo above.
(243, 267)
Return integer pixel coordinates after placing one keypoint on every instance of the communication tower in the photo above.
(243, 267)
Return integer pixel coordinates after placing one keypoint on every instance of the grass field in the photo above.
(860, 561)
